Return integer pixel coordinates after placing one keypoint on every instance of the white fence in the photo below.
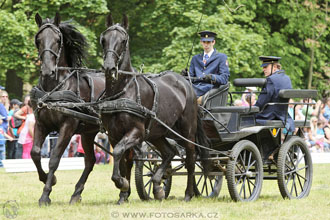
(27, 165)
(77, 163)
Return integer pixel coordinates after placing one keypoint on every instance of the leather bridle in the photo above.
(121, 56)
(57, 55)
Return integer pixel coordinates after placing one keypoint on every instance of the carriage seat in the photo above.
(287, 94)
(216, 97)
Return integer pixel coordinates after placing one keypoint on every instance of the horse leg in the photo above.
(66, 132)
(88, 145)
(190, 165)
(167, 154)
(39, 137)
(131, 139)
(126, 165)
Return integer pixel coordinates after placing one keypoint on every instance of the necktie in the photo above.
(206, 57)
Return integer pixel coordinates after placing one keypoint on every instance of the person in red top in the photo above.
(23, 112)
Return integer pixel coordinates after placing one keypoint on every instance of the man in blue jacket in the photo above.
(210, 67)
(276, 80)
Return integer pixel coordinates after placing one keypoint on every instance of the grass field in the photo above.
(100, 196)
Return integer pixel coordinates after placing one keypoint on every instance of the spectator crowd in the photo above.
(17, 131)
(17, 128)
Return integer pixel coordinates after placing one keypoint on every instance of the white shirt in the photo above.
(209, 53)
(22, 136)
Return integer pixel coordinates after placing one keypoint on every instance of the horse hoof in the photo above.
(75, 199)
(187, 198)
(121, 201)
(54, 180)
(159, 193)
(125, 186)
(44, 202)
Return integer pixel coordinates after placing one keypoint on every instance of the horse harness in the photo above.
(50, 99)
(114, 104)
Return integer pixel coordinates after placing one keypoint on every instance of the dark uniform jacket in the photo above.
(216, 65)
(277, 81)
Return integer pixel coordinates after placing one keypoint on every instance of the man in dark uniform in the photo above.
(276, 80)
(211, 67)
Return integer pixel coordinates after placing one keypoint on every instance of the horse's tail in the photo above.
(203, 140)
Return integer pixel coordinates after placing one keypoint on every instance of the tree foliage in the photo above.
(163, 32)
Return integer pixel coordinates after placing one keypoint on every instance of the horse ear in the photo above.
(109, 21)
(38, 19)
(57, 19)
(125, 21)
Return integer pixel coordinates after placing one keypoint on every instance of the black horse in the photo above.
(132, 100)
(60, 47)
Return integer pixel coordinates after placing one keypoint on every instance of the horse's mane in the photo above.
(74, 42)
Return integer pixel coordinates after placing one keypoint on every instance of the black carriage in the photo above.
(243, 151)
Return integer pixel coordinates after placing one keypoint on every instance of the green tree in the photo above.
(18, 53)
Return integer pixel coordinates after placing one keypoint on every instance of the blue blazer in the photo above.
(3, 113)
(277, 81)
(216, 65)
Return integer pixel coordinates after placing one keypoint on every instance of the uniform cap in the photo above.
(266, 60)
(207, 35)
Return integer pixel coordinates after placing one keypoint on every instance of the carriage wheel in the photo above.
(144, 170)
(244, 172)
(207, 185)
(294, 169)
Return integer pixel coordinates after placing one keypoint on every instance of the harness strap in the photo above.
(90, 81)
(78, 84)
(155, 103)
(115, 96)
(131, 107)
(56, 88)
(138, 94)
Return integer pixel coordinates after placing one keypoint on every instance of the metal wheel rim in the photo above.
(296, 171)
(246, 177)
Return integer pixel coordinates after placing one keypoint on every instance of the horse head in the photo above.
(114, 41)
(49, 42)
(59, 44)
